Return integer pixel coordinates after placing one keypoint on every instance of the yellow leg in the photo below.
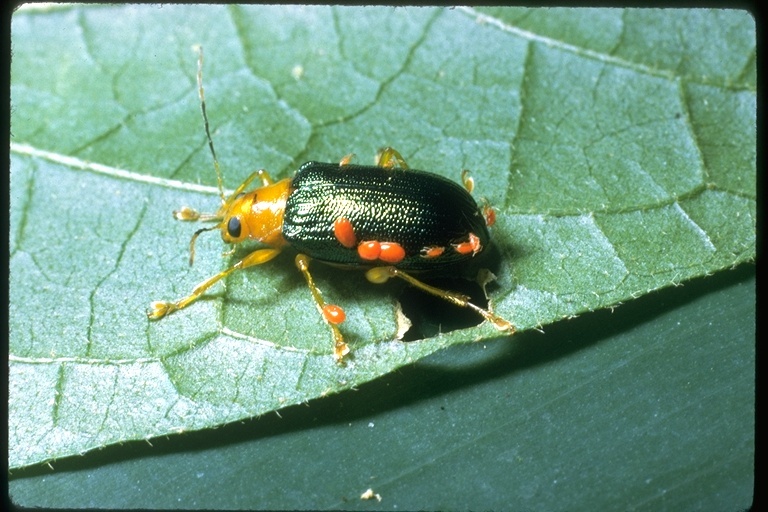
(261, 174)
(265, 178)
(340, 348)
(380, 275)
(388, 157)
(346, 160)
(159, 309)
(467, 180)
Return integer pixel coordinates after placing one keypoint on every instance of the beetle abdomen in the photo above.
(434, 220)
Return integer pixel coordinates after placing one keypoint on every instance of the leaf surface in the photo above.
(613, 175)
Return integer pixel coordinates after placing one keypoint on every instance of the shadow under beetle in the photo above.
(387, 219)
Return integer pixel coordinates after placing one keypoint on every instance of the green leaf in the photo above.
(611, 411)
(612, 176)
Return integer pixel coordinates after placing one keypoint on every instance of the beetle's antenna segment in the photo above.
(201, 93)
(192, 242)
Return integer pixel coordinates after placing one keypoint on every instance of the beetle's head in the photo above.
(255, 215)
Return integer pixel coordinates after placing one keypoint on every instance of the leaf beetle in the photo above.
(386, 219)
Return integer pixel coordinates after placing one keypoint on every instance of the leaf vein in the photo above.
(97, 168)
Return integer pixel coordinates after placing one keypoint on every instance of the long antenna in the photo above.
(201, 93)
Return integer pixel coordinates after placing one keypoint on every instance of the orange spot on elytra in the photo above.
(392, 252)
(369, 250)
(344, 232)
(388, 252)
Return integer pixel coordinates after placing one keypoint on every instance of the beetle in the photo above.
(386, 219)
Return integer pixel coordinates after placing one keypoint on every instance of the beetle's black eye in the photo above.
(233, 227)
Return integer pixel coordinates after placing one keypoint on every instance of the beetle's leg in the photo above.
(488, 212)
(159, 309)
(331, 313)
(389, 157)
(265, 178)
(467, 180)
(380, 275)
(261, 174)
(346, 159)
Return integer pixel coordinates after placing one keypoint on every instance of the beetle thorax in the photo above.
(260, 214)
